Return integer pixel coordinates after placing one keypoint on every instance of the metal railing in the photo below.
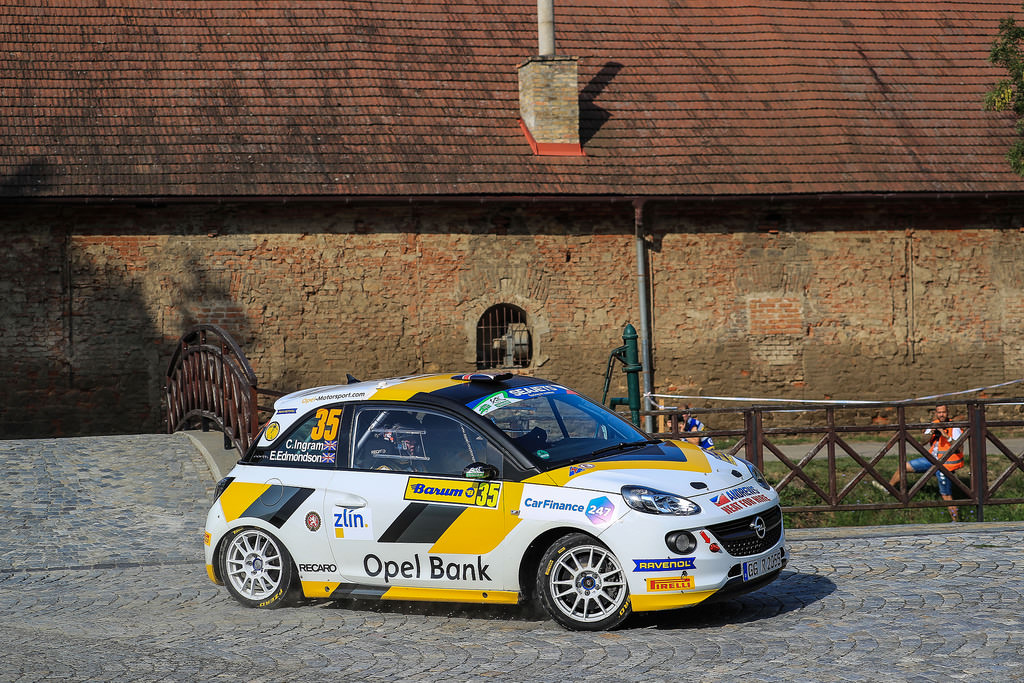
(759, 430)
(209, 381)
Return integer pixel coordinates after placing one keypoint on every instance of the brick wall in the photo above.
(788, 299)
(846, 300)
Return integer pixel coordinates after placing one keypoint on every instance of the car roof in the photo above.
(460, 388)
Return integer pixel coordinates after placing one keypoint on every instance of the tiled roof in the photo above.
(122, 98)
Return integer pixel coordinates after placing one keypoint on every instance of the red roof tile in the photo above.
(419, 97)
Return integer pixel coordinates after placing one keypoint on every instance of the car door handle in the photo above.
(349, 500)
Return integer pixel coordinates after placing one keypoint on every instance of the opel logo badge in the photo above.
(758, 526)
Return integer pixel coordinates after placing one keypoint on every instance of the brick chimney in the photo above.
(549, 100)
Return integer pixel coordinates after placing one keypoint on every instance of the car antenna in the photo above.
(351, 379)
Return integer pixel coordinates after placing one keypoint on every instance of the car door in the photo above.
(407, 521)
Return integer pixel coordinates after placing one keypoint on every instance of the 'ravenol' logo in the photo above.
(666, 565)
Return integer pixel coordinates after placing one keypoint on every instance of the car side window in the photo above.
(312, 443)
(400, 440)
(454, 445)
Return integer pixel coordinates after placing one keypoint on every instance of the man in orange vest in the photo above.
(940, 442)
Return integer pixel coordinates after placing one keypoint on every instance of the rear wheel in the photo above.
(582, 585)
(256, 568)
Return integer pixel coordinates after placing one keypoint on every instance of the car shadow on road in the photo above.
(791, 591)
(523, 612)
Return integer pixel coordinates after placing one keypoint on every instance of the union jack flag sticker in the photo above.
(329, 453)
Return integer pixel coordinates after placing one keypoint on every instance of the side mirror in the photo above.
(480, 470)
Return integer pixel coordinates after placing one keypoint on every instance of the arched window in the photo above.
(503, 338)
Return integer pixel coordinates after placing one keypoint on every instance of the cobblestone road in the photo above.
(101, 578)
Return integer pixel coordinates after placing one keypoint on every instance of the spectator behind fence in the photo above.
(692, 424)
(940, 441)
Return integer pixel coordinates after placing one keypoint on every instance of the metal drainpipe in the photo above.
(643, 287)
(546, 27)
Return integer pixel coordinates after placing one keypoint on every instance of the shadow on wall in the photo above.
(592, 117)
(89, 315)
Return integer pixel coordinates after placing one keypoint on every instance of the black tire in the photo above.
(257, 569)
(582, 585)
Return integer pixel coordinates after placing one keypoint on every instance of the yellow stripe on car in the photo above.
(319, 589)
(451, 595)
(695, 462)
(478, 531)
(238, 496)
(403, 391)
(653, 603)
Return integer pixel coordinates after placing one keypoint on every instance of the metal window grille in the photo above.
(503, 338)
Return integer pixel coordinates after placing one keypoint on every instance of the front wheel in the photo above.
(582, 585)
(256, 568)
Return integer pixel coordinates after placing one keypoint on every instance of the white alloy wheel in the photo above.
(583, 585)
(256, 568)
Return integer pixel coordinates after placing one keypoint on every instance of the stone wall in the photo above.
(847, 300)
(806, 299)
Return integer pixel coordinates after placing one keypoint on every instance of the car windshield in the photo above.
(556, 426)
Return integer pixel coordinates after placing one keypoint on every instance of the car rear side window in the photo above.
(312, 443)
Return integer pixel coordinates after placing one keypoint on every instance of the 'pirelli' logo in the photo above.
(478, 493)
(683, 583)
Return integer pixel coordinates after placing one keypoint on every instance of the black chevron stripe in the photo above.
(355, 590)
(421, 523)
(282, 507)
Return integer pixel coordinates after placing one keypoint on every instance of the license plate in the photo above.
(762, 565)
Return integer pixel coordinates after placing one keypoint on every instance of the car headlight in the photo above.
(657, 502)
(758, 477)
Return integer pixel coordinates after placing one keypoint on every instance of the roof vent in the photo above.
(549, 101)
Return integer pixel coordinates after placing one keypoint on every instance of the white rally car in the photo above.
(486, 489)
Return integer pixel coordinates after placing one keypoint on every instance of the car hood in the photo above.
(676, 467)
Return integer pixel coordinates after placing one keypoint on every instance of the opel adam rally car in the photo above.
(486, 489)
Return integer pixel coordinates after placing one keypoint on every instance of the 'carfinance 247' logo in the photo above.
(600, 510)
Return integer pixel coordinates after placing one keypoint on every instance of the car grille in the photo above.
(739, 539)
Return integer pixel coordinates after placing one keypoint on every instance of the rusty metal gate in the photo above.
(209, 382)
